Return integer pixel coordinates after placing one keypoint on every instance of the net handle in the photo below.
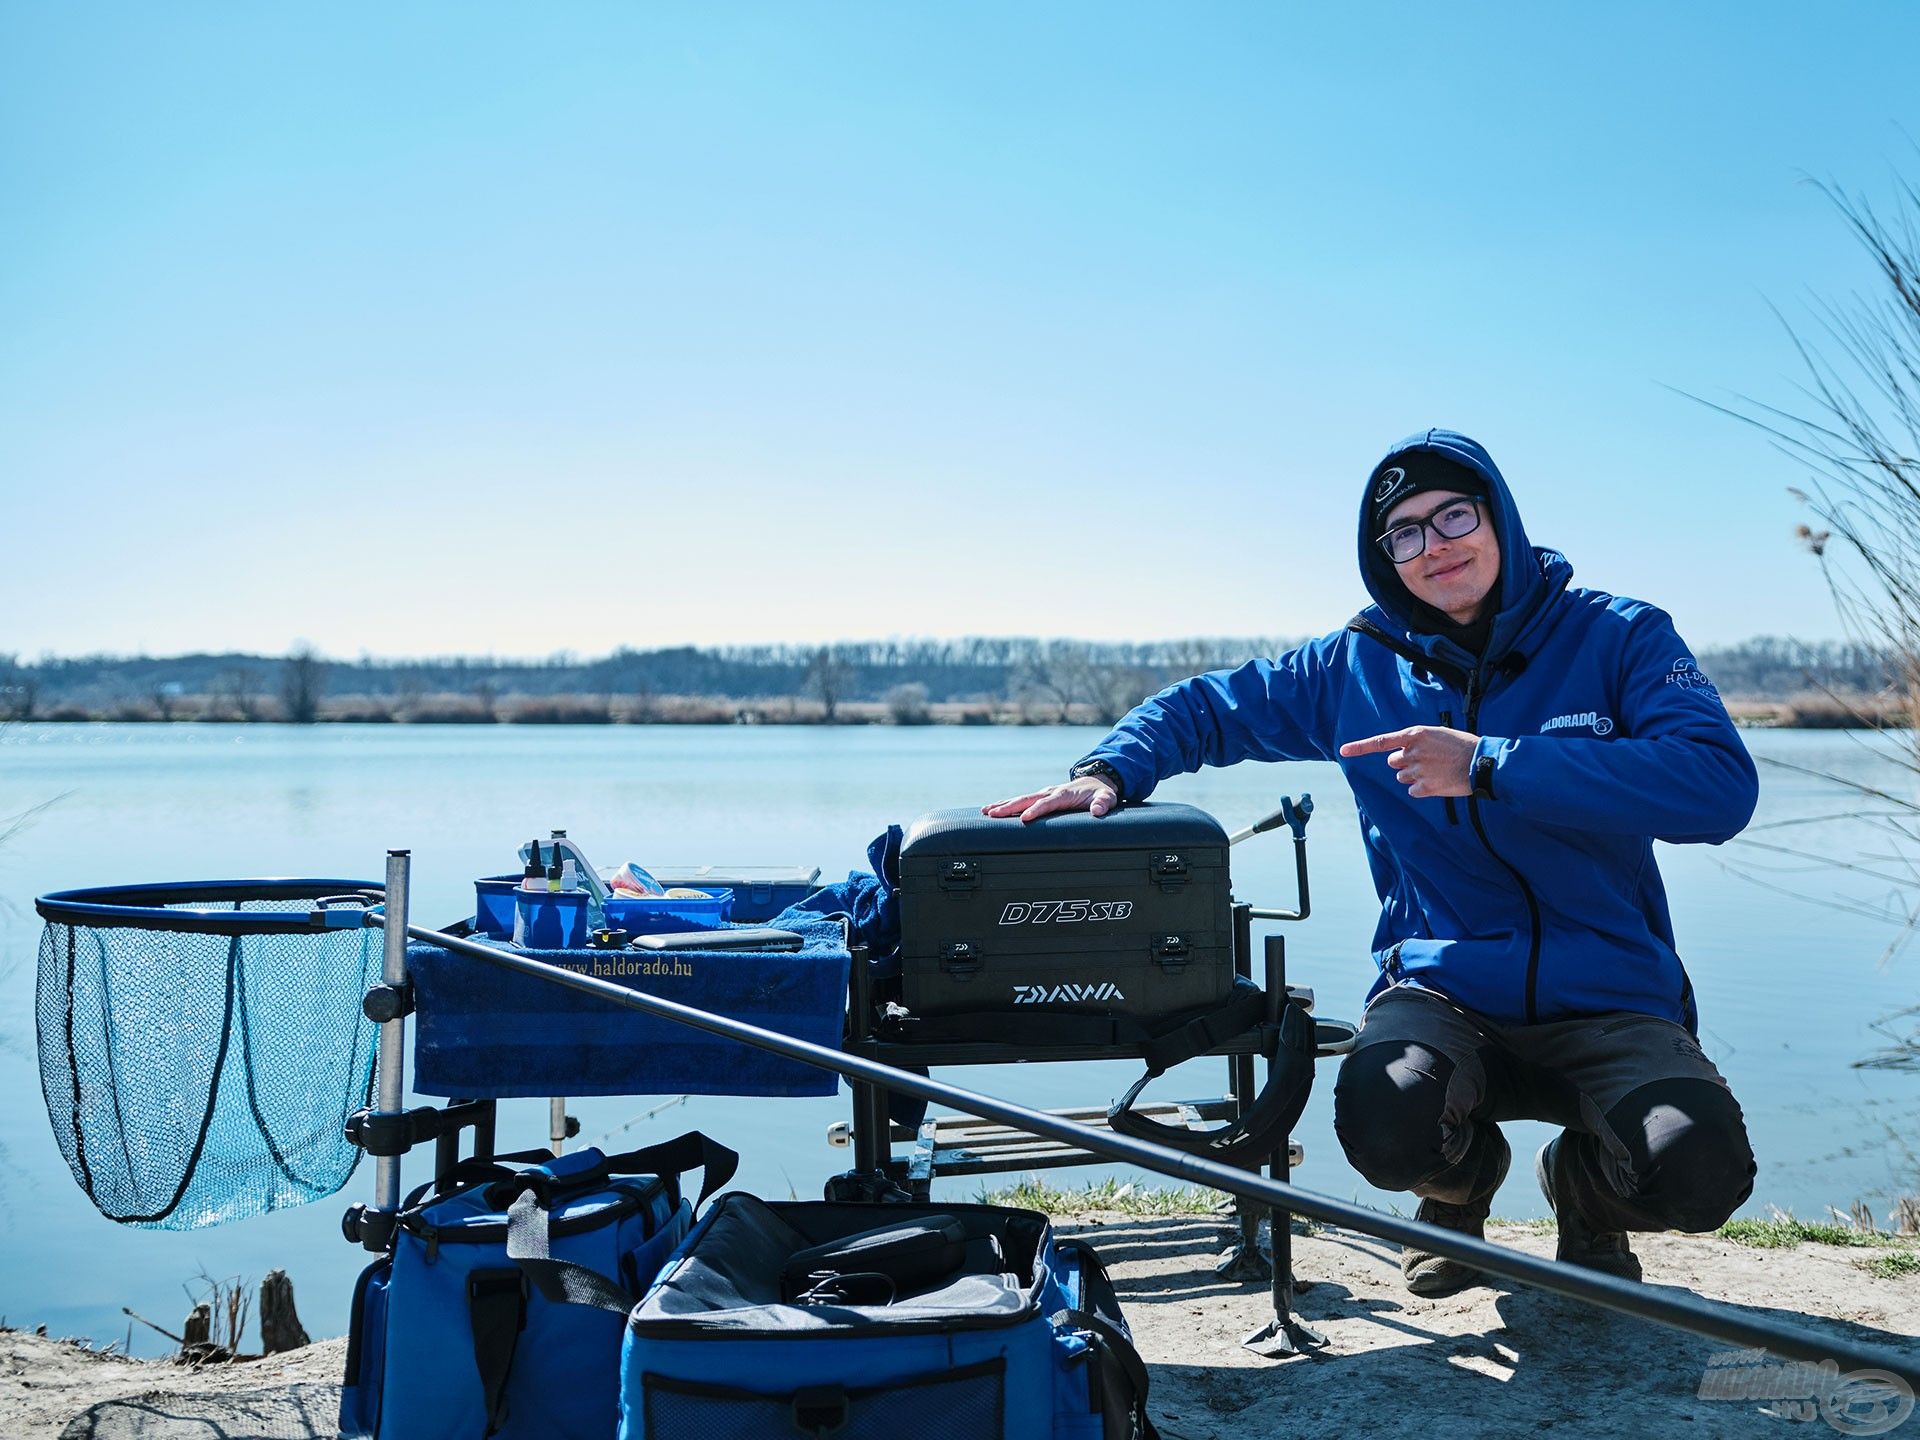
(337, 905)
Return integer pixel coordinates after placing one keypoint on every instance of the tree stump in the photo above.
(196, 1338)
(199, 1327)
(280, 1327)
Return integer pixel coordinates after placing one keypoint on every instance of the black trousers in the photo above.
(1655, 1139)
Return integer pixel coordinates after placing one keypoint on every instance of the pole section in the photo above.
(393, 1033)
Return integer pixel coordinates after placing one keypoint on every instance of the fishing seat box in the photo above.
(1128, 916)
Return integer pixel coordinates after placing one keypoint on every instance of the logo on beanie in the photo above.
(1390, 481)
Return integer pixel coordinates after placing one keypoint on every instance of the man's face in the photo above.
(1453, 576)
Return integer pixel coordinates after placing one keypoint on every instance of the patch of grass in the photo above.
(1784, 1232)
(1538, 1225)
(1125, 1198)
(1896, 1265)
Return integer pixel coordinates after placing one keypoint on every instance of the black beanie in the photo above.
(1412, 471)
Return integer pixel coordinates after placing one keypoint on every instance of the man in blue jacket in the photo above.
(1515, 747)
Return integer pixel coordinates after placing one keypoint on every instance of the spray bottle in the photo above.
(563, 849)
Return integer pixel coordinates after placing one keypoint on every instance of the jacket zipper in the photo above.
(1469, 681)
(1533, 905)
(1453, 812)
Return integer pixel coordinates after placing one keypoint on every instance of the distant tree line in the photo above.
(1046, 680)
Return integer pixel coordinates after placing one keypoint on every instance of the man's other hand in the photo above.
(1430, 760)
(1089, 793)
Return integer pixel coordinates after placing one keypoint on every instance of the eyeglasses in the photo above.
(1451, 521)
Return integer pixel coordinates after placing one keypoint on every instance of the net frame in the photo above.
(89, 918)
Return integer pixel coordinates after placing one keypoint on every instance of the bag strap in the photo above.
(1243, 1009)
(563, 1281)
(1164, 1044)
(671, 1159)
(471, 1170)
(496, 1314)
(1122, 1376)
(1268, 1121)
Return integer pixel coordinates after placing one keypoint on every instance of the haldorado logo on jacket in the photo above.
(1584, 720)
(1690, 676)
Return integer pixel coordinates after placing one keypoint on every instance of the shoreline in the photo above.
(1756, 713)
(1490, 1361)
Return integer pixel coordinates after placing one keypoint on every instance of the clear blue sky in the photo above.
(503, 328)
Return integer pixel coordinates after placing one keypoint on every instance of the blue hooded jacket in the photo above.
(1542, 902)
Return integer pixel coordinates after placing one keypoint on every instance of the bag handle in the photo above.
(563, 1281)
(671, 1159)
(496, 1314)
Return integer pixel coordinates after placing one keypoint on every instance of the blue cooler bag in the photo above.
(450, 1339)
(879, 1322)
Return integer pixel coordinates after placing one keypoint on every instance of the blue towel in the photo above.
(487, 1033)
(869, 902)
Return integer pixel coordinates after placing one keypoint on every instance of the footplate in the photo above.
(963, 1145)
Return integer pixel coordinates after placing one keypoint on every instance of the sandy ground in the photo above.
(1486, 1362)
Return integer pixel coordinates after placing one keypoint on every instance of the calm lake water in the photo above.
(1788, 988)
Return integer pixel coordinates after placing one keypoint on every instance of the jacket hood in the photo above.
(1528, 575)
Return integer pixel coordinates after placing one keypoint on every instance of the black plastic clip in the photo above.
(379, 1134)
(820, 1411)
(960, 875)
(369, 1228)
(387, 1002)
(959, 957)
(1168, 868)
(1171, 951)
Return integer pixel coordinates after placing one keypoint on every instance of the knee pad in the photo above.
(1387, 1104)
(1687, 1143)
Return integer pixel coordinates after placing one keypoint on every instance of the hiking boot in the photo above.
(1580, 1244)
(1431, 1276)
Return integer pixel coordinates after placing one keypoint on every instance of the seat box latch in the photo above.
(1170, 951)
(960, 875)
(959, 957)
(1168, 869)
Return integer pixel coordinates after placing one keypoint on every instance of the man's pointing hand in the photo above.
(1430, 760)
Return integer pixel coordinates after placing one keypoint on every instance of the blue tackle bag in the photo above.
(453, 1332)
(874, 1322)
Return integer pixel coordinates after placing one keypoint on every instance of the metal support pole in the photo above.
(1242, 1065)
(1284, 1334)
(393, 1034)
(1241, 1260)
(557, 1123)
(872, 1140)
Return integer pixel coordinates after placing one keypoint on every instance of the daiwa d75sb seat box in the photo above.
(1123, 916)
